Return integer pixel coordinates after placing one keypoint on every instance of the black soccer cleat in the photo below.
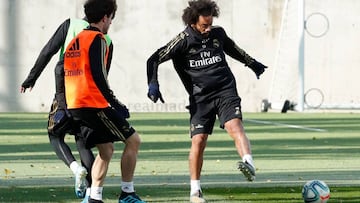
(248, 170)
(129, 198)
(95, 201)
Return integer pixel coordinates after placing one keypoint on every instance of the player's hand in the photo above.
(154, 93)
(258, 68)
(27, 84)
(23, 89)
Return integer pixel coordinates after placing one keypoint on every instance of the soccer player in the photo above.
(89, 99)
(59, 121)
(198, 55)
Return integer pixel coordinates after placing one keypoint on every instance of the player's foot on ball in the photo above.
(129, 198)
(197, 198)
(247, 169)
(95, 201)
(80, 184)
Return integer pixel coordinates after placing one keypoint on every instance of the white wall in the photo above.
(142, 26)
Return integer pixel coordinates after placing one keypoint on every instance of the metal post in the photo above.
(301, 24)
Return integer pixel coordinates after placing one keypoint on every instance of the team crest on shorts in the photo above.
(198, 126)
(192, 127)
(237, 110)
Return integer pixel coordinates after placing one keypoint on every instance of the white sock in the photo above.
(248, 158)
(127, 187)
(195, 186)
(96, 193)
(74, 166)
(87, 192)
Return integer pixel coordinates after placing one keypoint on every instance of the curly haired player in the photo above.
(198, 55)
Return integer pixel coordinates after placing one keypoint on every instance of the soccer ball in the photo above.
(316, 191)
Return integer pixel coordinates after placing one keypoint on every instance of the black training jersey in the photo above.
(200, 62)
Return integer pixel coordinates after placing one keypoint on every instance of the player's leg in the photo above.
(95, 134)
(128, 161)
(101, 163)
(230, 116)
(201, 124)
(56, 136)
(129, 157)
(61, 149)
(196, 154)
(235, 129)
(99, 170)
(58, 126)
(108, 126)
(128, 164)
(87, 159)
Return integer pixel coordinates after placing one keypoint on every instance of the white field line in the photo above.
(286, 125)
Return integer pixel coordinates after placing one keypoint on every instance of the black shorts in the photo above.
(203, 115)
(100, 126)
(60, 121)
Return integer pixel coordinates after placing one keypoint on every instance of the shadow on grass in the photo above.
(162, 194)
(224, 149)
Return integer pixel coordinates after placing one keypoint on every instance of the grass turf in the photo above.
(289, 149)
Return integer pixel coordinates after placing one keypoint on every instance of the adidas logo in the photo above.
(198, 126)
(74, 50)
(75, 45)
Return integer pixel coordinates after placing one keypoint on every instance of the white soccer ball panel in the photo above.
(316, 191)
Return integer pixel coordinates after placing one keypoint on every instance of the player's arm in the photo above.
(152, 66)
(152, 76)
(161, 55)
(233, 50)
(109, 59)
(98, 69)
(47, 52)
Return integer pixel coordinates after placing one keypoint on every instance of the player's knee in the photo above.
(199, 140)
(134, 140)
(234, 126)
(55, 135)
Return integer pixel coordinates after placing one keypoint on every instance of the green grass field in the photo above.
(289, 149)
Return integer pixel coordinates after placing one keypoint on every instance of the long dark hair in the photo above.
(198, 8)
